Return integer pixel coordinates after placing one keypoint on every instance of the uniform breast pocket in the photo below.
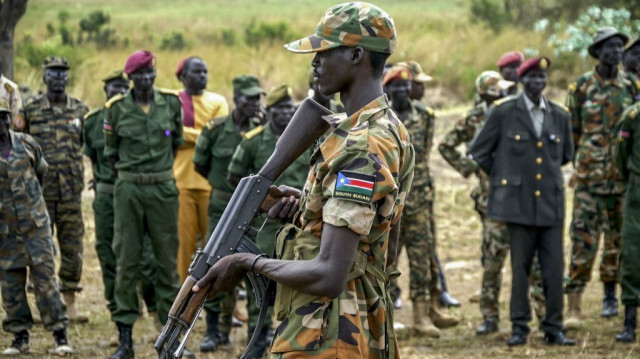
(222, 152)
(555, 146)
(162, 134)
(505, 195)
(518, 141)
(40, 130)
(132, 137)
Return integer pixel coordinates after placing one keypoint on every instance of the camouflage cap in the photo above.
(4, 106)
(55, 62)
(350, 24)
(603, 34)
(248, 85)
(115, 75)
(491, 83)
(397, 72)
(416, 71)
(282, 92)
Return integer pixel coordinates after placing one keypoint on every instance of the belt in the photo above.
(225, 196)
(145, 178)
(104, 187)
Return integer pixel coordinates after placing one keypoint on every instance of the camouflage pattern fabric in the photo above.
(371, 143)
(25, 240)
(495, 236)
(596, 107)
(627, 155)
(59, 131)
(9, 92)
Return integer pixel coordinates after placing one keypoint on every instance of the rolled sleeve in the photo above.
(358, 217)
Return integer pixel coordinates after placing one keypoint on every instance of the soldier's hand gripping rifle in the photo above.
(233, 233)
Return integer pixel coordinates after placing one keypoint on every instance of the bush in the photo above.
(257, 34)
(34, 53)
(229, 37)
(174, 40)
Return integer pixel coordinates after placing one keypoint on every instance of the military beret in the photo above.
(4, 106)
(603, 34)
(51, 62)
(510, 58)
(248, 85)
(632, 45)
(416, 71)
(397, 72)
(139, 60)
(280, 93)
(350, 24)
(181, 66)
(115, 75)
(491, 83)
(538, 63)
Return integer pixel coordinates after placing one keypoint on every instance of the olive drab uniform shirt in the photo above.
(58, 130)
(627, 149)
(463, 132)
(94, 143)
(25, 235)
(596, 106)
(360, 177)
(132, 135)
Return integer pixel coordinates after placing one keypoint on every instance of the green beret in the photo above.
(247, 85)
(115, 75)
(280, 93)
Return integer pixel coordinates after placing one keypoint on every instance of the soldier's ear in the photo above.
(357, 54)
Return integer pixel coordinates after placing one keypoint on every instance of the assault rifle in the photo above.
(233, 233)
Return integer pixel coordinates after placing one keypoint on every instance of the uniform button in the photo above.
(504, 182)
(517, 137)
(539, 144)
(537, 193)
(539, 160)
(539, 176)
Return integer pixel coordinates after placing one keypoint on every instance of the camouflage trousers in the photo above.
(104, 220)
(495, 248)
(593, 215)
(629, 263)
(14, 295)
(67, 225)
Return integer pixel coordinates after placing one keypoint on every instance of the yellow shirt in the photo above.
(205, 107)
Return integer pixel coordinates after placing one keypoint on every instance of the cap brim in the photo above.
(252, 91)
(57, 67)
(591, 49)
(311, 43)
(423, 78)
(504, 84)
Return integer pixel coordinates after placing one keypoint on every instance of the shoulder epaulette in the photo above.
(217, 121)
(573, 87)
(562, 107)
(253, 133)
(504, 100)
(92, 112)
(169, 92)
(8, 87)
(430, 111)
(113, 100)
(633, 111)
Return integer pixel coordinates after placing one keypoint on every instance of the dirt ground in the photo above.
(459, 250)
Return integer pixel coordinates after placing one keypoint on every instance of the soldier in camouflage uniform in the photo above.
(250, 155)
(25, 241)
(596, 101)
(214, 148)
(627, 157)
(417, 233)
(632, 58)
(354, 194)
(9, 92)
(55, 121)
(103, 180)
(495, 238)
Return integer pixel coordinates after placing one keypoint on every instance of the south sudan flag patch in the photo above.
(354, 186)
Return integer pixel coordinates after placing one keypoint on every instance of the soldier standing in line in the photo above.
(115, 83)
(25, 241)
(416, 233)
(55, 121)
(214, 148)
(522, 145)
(143, 130)
(596, 101)
(627, 157)
(198, 107)
(250, 155)
(508, 65)
(632, 60)
(495, 237)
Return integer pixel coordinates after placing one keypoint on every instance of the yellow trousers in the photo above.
(192, 221)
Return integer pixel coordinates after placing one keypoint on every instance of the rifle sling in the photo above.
(266, 303)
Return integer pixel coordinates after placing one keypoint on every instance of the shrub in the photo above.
(268, 33)
(174, 40)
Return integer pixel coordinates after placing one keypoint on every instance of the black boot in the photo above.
(259, 349)
(609, 301)
(20, 344)
(628, 333)
(125, 347)
(210, 342)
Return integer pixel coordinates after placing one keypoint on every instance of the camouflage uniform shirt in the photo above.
(59, 131)
(23, 213)
(9, 91)
(359, 179)
(596, 106)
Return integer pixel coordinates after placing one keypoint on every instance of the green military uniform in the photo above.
(596, 105)
(25, 239)
(146, 197)
(94, 143)
(58, 129)
(627, 157)
(251, 154)
(495, 236)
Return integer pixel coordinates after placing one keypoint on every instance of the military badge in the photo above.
(19, 123)
(354, 186)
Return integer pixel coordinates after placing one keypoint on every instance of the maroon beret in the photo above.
(181, 66)
(139, 60)
(509, 58)
(538, 63)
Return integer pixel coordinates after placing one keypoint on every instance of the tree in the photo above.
(10, 12)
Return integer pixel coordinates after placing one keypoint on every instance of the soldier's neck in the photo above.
(607, 72)
(142, 96)
(359, 93)
(241, 123)
(193, 92)
(535, 98)
(57, 97)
